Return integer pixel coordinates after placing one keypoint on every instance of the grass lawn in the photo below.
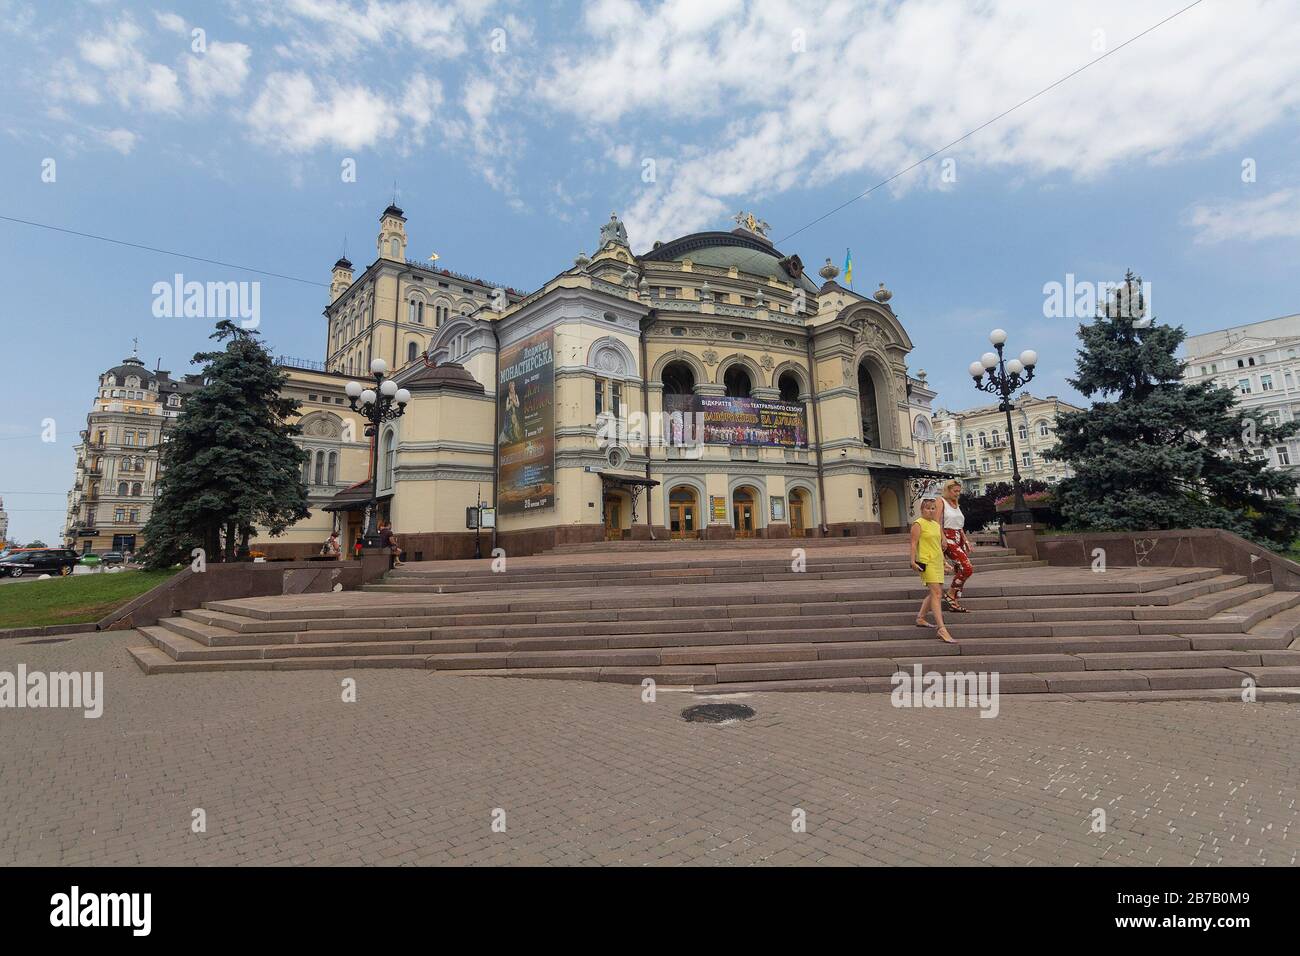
(78, 599)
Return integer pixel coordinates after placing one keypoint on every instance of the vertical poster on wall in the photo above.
(526, 425)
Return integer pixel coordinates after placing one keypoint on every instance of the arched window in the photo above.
(332, 468)
(394, 248)
(867, 407)
(997, 439)
(678, 379)
(984, 440)
(736, 381)
(121, 489)
(136, 489)
(970, 440)
(320, 468)
(1023, 432)
(1043, 430)
(789, 386)
(411, 351)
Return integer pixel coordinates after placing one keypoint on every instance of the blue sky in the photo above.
(513, 129)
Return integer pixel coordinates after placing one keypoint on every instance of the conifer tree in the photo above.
(229, 463)
(1157, 452)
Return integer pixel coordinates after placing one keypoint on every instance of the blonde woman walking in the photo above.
(956, 546)
(927, 558)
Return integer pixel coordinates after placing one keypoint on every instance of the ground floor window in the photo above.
(124, 542)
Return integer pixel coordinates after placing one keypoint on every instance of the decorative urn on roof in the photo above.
(829, 271)
(882, 295)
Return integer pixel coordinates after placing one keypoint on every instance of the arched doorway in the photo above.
(683, 513)
(744, 512)
(798, 513)
(889, 511)
(614, 512)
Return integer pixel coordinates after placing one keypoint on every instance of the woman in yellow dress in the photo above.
(927, 558)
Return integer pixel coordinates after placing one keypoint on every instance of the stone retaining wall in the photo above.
(1182, 548)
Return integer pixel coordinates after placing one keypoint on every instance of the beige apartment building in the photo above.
(706, 388)
(117, 459)
(974, 442)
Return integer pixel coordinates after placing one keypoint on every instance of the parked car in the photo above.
(59, 561)
(113, 557)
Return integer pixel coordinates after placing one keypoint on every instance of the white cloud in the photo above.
(171, 21)
(126, 73)
(340, 30)
(122, 140)
(221, 71)
(1273, 216)
(879, 85)
(293, 114)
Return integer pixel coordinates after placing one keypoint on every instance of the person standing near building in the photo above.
(956, 545)
(927, 559)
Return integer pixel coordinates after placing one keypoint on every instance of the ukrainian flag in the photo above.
(848, 267)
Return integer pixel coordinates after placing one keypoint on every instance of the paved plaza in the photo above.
(419, 767)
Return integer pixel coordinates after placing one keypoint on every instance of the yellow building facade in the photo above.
(706, 388)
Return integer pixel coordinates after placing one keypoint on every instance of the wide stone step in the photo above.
(432, 574)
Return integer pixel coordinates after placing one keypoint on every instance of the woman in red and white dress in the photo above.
(956, 546)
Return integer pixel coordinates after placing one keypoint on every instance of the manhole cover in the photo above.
(717, 713)
(49, 640)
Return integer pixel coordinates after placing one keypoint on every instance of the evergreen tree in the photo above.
(1157, 452)
(229, 462)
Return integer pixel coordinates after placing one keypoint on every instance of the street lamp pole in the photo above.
(377, 405)
(1004, 378)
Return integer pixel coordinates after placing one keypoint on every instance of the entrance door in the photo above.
(682, 514)
(796, 515)
(613, 518)
(742, 506)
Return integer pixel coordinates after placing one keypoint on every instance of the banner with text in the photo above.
(526, 425)
(745, 421)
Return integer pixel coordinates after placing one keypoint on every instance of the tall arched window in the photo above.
(121, 489)
(736, 381)
(411, 351)
(867, 407)
(320, 468)
(332, 468)
(386, 465)
(789, 386)
(678, 379)
(136, 488)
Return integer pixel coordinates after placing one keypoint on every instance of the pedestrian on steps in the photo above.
(927, 559)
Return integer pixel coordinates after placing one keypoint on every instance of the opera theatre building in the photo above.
(706, 388)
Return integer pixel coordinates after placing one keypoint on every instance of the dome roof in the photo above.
(449, 375)
(131, 366)
(740, 248)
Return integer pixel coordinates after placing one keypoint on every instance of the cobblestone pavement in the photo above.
(413, 771)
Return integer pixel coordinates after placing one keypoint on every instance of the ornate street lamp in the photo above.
(1004, 378)
(380, 404)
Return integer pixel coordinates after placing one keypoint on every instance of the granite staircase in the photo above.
(746, 618)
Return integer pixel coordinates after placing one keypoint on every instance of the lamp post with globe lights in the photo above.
(377, 405)
(995, 374)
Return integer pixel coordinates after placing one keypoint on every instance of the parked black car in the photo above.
(59, 561)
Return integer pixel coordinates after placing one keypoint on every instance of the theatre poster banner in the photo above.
(526, 425)
(744, 421)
